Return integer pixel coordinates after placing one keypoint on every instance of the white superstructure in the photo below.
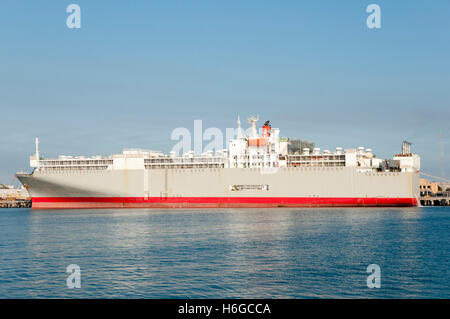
(267, 150)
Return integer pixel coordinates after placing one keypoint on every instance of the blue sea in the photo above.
(229, 253)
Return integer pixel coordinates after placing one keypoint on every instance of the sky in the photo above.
(136, 70)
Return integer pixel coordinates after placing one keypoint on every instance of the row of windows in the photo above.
(314, 168)
(183, 166)
(204, 166)
(317, 164)
(73, 168)
(75, 162)
(318, 157)
(382, 174)
(180, 160)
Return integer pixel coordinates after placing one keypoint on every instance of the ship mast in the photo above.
(36, 142)
(239, 130)
(252, 120)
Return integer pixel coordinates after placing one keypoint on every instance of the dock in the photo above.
(11, 197)
(15, 203)
(435, 201)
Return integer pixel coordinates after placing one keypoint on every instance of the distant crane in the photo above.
(435, 177)
(442, 177)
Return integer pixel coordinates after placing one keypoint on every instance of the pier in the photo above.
(15, 203)
(11, 197)
(435, 200)
(434, 193)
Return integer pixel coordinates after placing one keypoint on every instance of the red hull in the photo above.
(215, 202)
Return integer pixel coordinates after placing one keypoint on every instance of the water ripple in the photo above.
(230, 253)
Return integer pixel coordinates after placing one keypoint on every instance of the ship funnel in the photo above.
(406, 147)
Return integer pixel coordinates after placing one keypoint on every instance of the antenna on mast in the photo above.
(36, 142)
(252, 120)
(239, 130)
(442, 156)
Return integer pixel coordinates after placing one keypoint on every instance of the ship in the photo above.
(255, 170)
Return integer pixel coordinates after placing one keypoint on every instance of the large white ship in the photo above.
(255, 171)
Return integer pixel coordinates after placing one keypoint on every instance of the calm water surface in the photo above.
(230, 253)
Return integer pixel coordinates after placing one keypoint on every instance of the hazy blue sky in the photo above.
(138, 69)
